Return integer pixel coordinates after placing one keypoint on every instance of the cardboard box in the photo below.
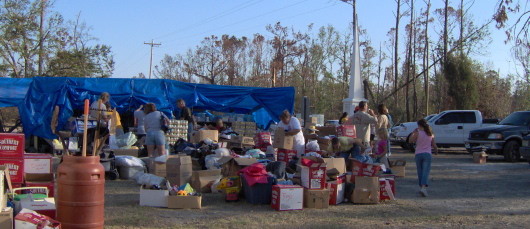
(37, 163)
(398, 167)
(202, 180)
(335, 163)
(184, 202)
(285, 155)
(247, 141)
(40, 180)
(6, 218)
(346, 131)
(316, 198)
(364, 169)
(11, 145)
(44, 206)
(327, 130)
(28, 219)
(155, 168)
(336, 190)
(371, 183)
(479, 157)
(281, 141)
(204, 134)
(314, 176)
(365, 196)
(178, 169)
(384, 195)
(231, 166)
(287, 197)
(153, 198)
(262, 139)
(16, 169)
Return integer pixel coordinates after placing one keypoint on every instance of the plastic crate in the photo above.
(259, 193)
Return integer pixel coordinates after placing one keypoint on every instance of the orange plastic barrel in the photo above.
(80, 192)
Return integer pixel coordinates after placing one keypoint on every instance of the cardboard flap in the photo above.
(399, 163)
(245, 161)
(206, 173)
(7, 180)
(178, 160)
(335, 165)
(39, 177)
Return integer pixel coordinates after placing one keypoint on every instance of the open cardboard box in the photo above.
(231, 166)
(153, 198)
(184, 202)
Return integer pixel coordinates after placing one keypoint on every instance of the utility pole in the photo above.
(151, 61)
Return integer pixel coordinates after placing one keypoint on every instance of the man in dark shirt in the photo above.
(185, 114)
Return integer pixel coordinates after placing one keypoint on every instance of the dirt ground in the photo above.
(461, 195)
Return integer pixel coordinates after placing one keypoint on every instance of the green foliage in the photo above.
(458, 72)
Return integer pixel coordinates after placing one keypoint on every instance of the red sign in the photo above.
(16, 169)
(286, 155)
(11, 145)
(346, 131)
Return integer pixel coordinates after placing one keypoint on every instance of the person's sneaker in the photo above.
(423, 192)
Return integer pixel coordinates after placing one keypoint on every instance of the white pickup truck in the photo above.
(451, 128)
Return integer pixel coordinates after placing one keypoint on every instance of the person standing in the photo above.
(139, 116)
(185, 114)
(293, 128)
(153, 128)
(382, 148)
(103, 107)
(362, 120)
(425, 144)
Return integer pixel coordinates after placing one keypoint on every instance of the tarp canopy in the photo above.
(44, 93)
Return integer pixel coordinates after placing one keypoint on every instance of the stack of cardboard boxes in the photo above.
(284, 144)
(371, 186)
(313, 179)
(12, 156)
(245, 129)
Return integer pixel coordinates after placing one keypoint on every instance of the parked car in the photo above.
(451, 128)
(400, 133)
(525, 148)
(332, 123)
(505, 139)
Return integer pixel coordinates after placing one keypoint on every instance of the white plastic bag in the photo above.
(210, 161)
(221, 152)
(312, 146)
(125, 141)
(129, 161)
(161, 159)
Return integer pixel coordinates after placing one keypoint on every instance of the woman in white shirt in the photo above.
(292, 127)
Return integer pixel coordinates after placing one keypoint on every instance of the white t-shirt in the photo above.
(94, 110)
(140, 123)
(299, 140)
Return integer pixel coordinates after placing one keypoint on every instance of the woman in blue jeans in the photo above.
(425, 144)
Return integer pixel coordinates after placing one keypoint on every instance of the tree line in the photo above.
(427, 66)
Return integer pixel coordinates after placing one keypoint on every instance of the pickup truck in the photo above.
(451, 128)
(525, 148)
(502, 139)
(399, 133)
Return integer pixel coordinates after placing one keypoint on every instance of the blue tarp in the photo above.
(13, 91)
(44, 93)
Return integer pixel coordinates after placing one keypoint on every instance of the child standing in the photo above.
(382, 148)
(425, 144)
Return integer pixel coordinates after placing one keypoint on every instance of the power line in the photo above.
(151, 61)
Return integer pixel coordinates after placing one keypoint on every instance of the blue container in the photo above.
(259, 193)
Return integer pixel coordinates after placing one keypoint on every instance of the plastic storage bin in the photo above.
(259, 193)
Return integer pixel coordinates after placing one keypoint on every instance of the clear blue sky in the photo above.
(178, 25)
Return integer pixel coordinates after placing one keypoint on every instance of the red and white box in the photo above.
(287, 197)
(37, 163)
(262, 139)
(16, 169)
(384, 195)
(313, 176)
(346, 131)
(43, 206)
(40, 180)
(286, 155)
(364, 169)
(28, 219)
(11, 145)
(336, 190)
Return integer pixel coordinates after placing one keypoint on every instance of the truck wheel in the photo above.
(410, 146)
(511, 151)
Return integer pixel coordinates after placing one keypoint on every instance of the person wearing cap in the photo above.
(362, 120)
(292, 127)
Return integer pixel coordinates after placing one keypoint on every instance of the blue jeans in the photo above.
(190, 129)
(423, 166)
(354, 152)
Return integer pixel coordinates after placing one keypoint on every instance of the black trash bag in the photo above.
(277, 168)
